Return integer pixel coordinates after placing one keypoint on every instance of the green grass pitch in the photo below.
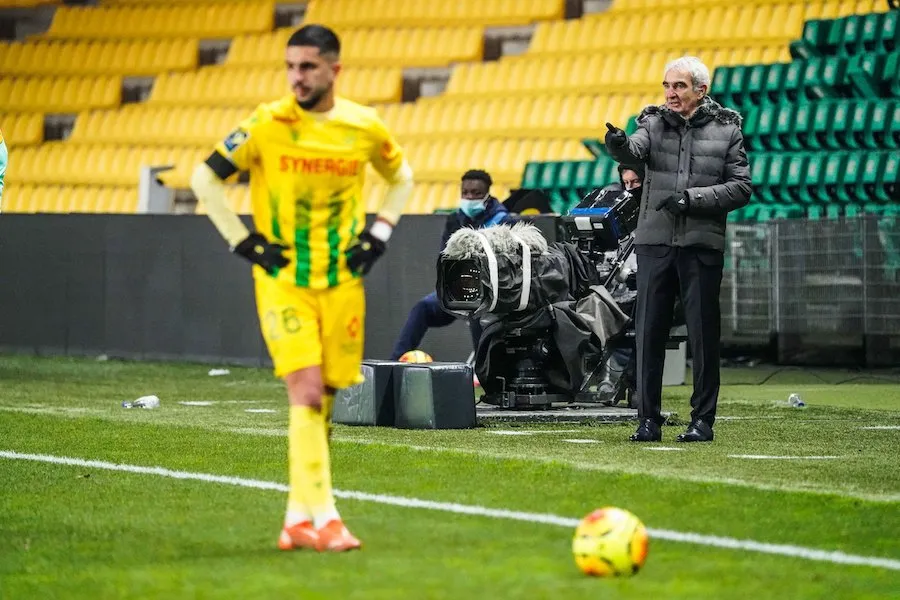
(808, 499)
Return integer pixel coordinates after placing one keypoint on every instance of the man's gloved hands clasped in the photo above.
(260, 251)
(363, 254)
(615, 137)
(677, 204)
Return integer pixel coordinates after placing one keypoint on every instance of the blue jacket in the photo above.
(494, 214)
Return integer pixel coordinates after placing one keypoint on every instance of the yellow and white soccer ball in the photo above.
(416, 356)
(610, 542)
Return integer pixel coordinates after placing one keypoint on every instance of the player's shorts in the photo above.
(304, 328)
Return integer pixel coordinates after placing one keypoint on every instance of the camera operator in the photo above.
(477, 210)
(697, 171)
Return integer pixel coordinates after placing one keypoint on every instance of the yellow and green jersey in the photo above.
(306, 179)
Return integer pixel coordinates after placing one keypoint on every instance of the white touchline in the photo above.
(464, 509)
(766, 457)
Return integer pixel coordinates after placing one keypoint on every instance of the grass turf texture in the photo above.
(74, 532)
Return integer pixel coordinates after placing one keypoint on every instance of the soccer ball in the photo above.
(610, 542)
(416, 356)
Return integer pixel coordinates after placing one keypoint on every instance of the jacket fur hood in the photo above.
(708, 110)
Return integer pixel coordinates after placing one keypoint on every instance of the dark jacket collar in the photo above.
(708, 110)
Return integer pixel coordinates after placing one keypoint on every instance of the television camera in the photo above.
(552, 314)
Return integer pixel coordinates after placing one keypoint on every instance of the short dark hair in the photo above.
(317, 36)
(478, 175)
(638, 169)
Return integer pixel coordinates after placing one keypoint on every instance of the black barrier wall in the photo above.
(166, 287)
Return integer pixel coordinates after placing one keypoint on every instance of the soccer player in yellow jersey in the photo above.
(307, 154)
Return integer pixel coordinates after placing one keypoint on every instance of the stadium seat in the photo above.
(344, 14)
(22, 129)
(215, 85)
(98, 57)
(60, 94)
(214, 20)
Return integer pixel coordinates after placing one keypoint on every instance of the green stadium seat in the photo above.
(852, 211)
(547, 179)
(831, 178)
(604, 173)
(795, 176)
(755, 82)
(860, 111)
(862, 75)
(749, 126)
(773, 193)
(801, 121)
(889, 38)
(775, 80)
(759, 171)
(531, 175)
(824, 77)
(784, 125)
(811, 42)
(792, 81)
(735, 90)
(719, 84)
(765, 127)
(631, 125)
(892, 127)
(849, 34)
(819, 124)
(837, 135)
(867, 183)
(815, 212)
(582, 179)
(888, 189)
(833, 211)
(890, 75)
(848, 190)
(565, 175)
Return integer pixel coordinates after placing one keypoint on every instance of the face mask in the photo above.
(472, 208)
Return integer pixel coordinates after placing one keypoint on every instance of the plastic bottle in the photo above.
(143, 402)
(795, 401)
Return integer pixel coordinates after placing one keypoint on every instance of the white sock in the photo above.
(323, 518)
(296, 516)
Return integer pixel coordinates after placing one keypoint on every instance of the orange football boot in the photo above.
(334, 537)
(301, 535)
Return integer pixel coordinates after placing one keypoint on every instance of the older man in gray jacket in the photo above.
(696, 172)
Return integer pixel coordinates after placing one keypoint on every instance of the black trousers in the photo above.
(694, 274)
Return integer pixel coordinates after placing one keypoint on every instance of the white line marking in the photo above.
(581, 441)
(260, 410)
(582, 465)
(531, 431)
(664, 449)
(882, 427)
(196, 403)
(463, 509)
(765, 457)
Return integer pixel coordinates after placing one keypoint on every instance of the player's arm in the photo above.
(4, 158)
(390, 162)
(229, 157)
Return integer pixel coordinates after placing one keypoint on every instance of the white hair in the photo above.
(693, 65)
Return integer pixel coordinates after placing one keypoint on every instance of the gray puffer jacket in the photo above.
(703, 156)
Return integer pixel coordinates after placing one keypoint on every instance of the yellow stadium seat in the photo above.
(218, 20)
(22, 129)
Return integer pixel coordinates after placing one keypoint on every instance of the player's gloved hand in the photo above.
(615, 137)
(363, 254)
(260, 251)
(677, 204)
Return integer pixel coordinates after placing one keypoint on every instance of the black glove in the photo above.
(258, 250)
(677, 204)
(615, 137)
(363, 254)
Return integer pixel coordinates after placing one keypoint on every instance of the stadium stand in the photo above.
(797, 70)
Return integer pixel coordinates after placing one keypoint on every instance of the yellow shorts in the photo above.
(305, 328)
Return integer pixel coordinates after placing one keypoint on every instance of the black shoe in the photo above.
(697, 431)
(647, 431)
